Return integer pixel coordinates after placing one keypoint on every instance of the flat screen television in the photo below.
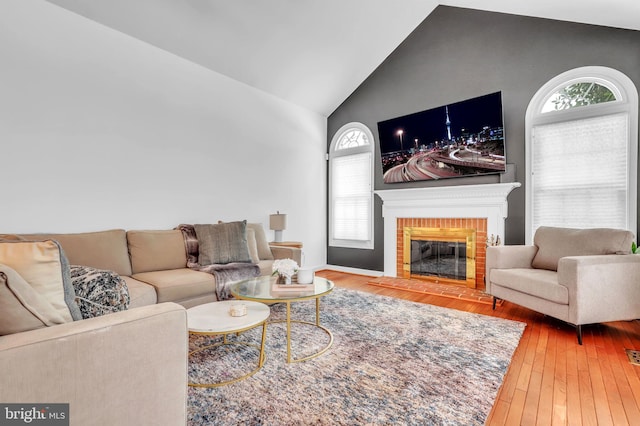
(462, 139)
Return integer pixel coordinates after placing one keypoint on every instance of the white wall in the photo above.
(99, 130)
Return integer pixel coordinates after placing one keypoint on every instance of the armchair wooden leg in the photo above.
(494, 302)
(579, 333)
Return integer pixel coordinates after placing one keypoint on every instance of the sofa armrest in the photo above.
(128, 367)
(601, 288)
(507, 257)
(284, 252)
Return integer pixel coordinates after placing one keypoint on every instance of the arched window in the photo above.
(581, 152)
(351, 187)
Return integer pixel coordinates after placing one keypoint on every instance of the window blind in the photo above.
(351, 189)
(580, 173)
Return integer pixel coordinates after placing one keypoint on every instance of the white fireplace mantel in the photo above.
(469, 201)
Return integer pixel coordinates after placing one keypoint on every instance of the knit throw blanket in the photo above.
(225, 274)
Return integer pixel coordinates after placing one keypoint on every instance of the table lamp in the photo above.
(278, 223)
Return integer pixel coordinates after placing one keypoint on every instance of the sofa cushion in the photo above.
(103, 249)
(222, 243)
(540, 283)
(156, 250)
(264, 251)
(44, 266)
(140, 294)
(179, 284)
(556, 243)
(22, 307)
(98, 292)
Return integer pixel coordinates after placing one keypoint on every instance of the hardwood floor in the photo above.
(551, 380)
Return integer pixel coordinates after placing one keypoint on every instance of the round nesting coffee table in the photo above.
(263, 289)
(214, 319)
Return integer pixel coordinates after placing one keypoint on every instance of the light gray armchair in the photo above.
(580, 276)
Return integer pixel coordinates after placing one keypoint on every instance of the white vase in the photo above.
(305, 276)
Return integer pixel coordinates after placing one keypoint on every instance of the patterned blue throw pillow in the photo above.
(99, 292)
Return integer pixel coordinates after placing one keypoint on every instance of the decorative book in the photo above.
(290, 287)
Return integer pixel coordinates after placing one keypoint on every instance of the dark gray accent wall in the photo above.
(456, 54)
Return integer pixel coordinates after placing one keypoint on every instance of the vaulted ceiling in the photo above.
(312, 53)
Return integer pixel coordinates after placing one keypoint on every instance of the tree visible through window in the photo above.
(577, 95)
(352, 138)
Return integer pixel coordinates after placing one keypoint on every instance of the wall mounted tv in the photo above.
(457, 140)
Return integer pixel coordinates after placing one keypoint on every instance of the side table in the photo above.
(213, 319)
(295, 244)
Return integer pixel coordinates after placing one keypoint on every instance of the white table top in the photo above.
(214, 317)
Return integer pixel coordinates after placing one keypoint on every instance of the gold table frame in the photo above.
(225, 341)
(287, 298)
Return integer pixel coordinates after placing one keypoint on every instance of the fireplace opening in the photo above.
(443, 255)
(444, 259)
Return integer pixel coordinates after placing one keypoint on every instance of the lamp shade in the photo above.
(278, 222)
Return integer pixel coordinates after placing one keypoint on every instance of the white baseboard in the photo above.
(354, 270)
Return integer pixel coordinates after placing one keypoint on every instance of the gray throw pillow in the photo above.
(222, 243)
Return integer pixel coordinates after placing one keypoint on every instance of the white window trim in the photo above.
(333, 153)
(627, 102)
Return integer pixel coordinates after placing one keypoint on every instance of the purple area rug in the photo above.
(391, 362)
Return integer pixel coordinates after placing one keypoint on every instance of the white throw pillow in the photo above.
(44, 266)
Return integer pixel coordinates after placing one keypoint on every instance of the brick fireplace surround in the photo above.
(481, 207)
(477, 224)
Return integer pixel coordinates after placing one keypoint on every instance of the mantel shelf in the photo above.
(500, 190)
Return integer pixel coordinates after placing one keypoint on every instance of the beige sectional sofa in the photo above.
(154, 262)
(127, 367)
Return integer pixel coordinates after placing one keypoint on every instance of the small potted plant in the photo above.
(284, 269)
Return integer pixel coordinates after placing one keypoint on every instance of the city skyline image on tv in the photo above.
(461, 139)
